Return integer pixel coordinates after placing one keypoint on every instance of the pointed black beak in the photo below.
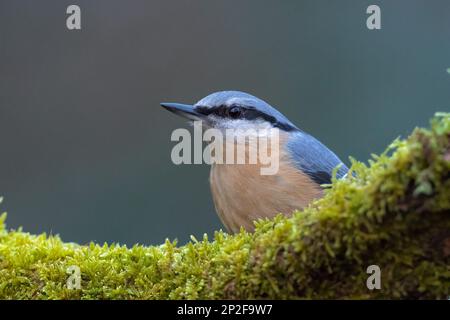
(184, 110)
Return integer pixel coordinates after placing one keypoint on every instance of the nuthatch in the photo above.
(240, 193)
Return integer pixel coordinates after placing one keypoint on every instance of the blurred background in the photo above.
(85, 147)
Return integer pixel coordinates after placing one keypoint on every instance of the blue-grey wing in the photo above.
(314, 158)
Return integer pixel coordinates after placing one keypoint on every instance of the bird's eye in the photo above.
(235, 112)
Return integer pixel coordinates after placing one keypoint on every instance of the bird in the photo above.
(241, 194)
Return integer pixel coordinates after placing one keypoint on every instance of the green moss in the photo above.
(394, 213)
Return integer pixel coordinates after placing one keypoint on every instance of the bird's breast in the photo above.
(242, 194)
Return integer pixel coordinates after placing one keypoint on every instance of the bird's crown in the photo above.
(237, 105)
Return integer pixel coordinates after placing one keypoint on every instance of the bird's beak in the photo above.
(185, 110)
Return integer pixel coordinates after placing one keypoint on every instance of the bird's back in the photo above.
(313, 158)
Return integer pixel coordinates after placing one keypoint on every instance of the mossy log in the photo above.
(393, 212)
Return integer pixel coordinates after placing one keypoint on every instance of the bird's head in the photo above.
(232, 110)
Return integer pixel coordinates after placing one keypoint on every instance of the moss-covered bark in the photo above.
(394, 213)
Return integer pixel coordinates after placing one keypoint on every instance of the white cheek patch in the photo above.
(239, 124)
(237, 141)
(247, 142)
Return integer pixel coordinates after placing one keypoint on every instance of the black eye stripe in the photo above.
(247, 113)
(203, 110)
(221, 111)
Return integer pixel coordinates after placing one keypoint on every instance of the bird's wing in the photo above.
(313, 158)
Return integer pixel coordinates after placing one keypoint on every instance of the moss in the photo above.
(393, 212)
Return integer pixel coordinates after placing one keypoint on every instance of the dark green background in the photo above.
(85, 147)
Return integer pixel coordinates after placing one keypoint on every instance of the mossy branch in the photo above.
(394, 213)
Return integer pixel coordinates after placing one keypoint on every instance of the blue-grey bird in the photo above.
(241, 194)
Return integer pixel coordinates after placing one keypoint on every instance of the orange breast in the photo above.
(241, 194)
